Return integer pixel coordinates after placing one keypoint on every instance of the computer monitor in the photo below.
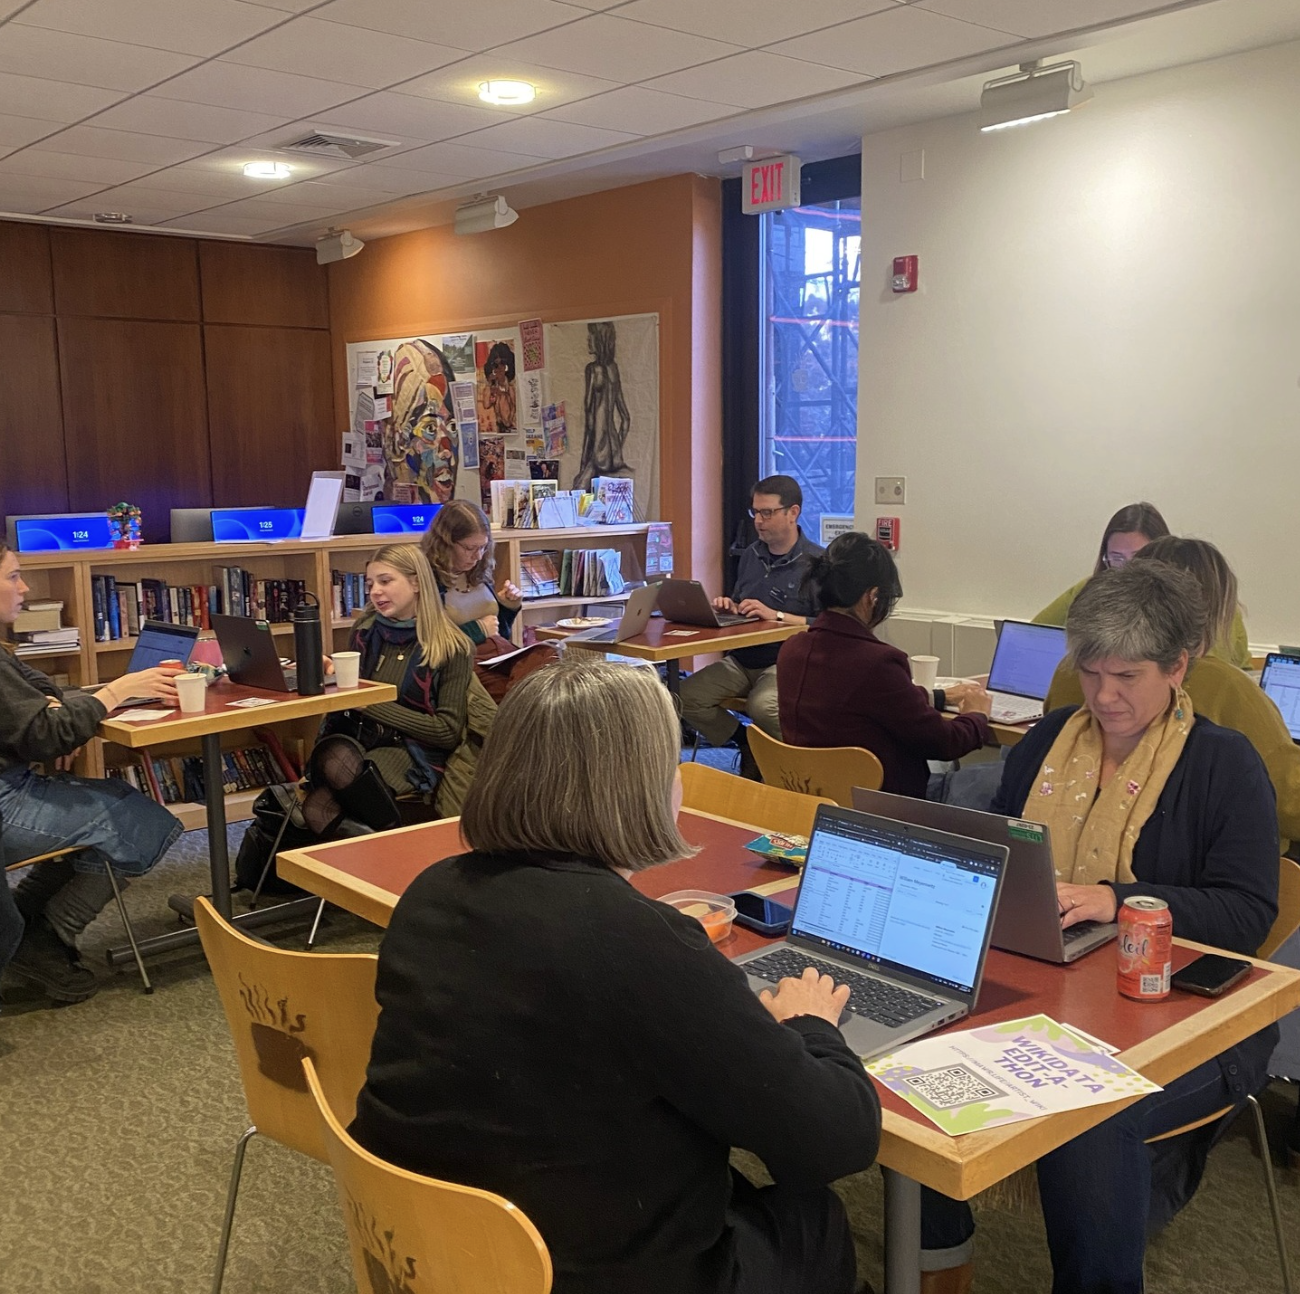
(58, 532)
(403, 518)
(255, 525)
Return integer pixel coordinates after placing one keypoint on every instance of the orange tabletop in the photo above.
(665, 640)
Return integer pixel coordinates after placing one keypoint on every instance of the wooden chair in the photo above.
(117, 894)
(768, 808)
(831, 771)
(281, 1007)
(410, 1232)
(1288, 921)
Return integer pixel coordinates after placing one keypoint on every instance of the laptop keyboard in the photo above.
(727, 618)
(1074, 933)
(1014, 709)
(872, 998)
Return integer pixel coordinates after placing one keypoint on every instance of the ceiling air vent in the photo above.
(349, 146)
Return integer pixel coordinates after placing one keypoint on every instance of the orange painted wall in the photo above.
(648, 248)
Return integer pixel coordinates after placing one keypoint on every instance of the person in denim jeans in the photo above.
(107, 822)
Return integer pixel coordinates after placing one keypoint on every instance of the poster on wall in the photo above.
(532, 346)
(492, 466)
(606, 374)
(459, 350)
(496, 396)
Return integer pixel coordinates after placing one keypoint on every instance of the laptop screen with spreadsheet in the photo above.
(1025, 659)
(918, 903)
(1281, 683)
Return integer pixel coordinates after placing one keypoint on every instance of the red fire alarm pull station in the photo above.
(887, 529)
(905, 273)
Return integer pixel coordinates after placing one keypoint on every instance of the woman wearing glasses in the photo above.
(1132, 528)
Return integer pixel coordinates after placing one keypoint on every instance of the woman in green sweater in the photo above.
(1130, 530)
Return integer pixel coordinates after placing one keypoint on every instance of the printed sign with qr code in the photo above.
(952, 1086)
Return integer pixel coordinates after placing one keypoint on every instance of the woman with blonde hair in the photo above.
(549, 1033)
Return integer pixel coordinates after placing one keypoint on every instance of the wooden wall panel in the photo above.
(271, 413)
(33, 477)
(25, 282)
(124, 276)
(135, 416)
(245, 284)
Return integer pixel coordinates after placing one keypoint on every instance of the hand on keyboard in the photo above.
(810, 994)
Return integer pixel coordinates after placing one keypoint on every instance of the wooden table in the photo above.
(670, 642)
(1162, 1040)
(221, 716)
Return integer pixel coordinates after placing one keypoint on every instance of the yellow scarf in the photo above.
(1093, 833)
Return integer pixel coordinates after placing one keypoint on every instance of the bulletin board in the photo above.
(439, 417)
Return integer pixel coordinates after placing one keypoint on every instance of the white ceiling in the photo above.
(152, 107)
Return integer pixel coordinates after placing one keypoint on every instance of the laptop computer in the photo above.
(159, 641)
(1024, 662)
(635, 617)
(686, 602)
(1280, 682)
(1029, 919)
(251, 657)
(900, 913)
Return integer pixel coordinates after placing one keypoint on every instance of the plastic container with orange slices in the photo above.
(715, 912)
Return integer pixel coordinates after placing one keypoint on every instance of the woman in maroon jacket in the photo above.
(839, 685)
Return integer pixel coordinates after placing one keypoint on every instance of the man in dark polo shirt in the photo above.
(769, 585)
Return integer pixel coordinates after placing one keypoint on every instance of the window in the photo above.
(811, 268)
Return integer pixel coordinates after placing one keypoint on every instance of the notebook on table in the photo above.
(900, 913)
(1024, 662)
(1029, 917)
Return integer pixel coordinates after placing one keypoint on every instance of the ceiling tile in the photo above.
(174, 119)
(85, 59)
(545, 138)
(750, 22)
(148, 204)
(899, 40)
(71, 166)
(458, 159)
(221, 222)
(390, 182)
(1033, 18)
(642, 111)
(597, 4)
(459, 83)
(289, 6)
(331, 50)
(50, 193)
(141, 213)
(483, 26)
(17, 132)
(756, 79)
(219, 186)
(187, 26)
(51, 100)
(278, 214)
(229, 85)
(92, 141)
(410, 115)
(618, 50)
(231, 162)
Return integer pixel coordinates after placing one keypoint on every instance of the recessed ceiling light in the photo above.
(268, 170)
(506, 93)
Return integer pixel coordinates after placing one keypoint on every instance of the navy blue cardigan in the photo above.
(1210, 850)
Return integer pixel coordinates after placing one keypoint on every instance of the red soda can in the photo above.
(1146, 936)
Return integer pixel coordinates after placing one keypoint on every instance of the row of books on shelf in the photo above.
(348, 591)
(39, 630)
(121, 606)
(178, 779)
(574, 572)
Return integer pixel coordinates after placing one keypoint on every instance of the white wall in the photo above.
(1109, 311)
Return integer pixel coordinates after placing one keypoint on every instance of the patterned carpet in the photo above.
(119, 1117)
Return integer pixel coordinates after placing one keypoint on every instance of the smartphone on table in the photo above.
(759, 913)
(1208, 976)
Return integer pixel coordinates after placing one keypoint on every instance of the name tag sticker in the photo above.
(1034, 832)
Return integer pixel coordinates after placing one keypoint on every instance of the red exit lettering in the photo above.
(765, 183)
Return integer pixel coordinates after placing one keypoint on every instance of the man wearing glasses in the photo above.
(769, 586)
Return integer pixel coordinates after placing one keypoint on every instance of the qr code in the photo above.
(952, 1086)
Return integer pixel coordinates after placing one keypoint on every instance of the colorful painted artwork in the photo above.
(421, 443)
(496, 396)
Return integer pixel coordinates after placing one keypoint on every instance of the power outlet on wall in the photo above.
(891, 489)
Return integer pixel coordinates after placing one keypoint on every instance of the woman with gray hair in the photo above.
(1142, 797)
(549, 1033)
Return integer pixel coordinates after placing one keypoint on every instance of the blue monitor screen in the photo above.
(243, 524)
(51, 534)
(403, 518)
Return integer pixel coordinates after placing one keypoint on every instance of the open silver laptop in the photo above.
(900, 913)
(1029, 918)
(686, 602)
(1280, 682)
(636, 615)
(1024, 662)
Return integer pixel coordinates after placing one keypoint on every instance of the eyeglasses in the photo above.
(471, 547)
(1114, 561)
(766, 514)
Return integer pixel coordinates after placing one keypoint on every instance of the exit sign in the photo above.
(770, 185)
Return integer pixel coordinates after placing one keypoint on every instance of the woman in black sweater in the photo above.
(550, 1034)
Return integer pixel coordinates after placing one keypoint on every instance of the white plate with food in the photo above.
(582, 622)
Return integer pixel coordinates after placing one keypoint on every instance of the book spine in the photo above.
(111, 610)
(97, 593)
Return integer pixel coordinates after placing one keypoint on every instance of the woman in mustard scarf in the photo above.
(1140, 797)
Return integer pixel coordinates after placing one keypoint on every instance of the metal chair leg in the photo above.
(1267, 1160)
(315, 926)
(270, 862)
(130, 930)
(231, 1195)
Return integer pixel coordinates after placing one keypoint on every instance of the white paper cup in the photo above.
(191, 689)
(925, 669)
(347, 668)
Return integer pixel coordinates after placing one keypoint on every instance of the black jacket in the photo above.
(550, 1034)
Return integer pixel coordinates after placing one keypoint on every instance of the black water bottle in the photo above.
(307, 646)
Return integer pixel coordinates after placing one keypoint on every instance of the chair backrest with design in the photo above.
(766, 807)
(1288, 908)
(409, 1232)
(283, 1006)
(832, 771)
